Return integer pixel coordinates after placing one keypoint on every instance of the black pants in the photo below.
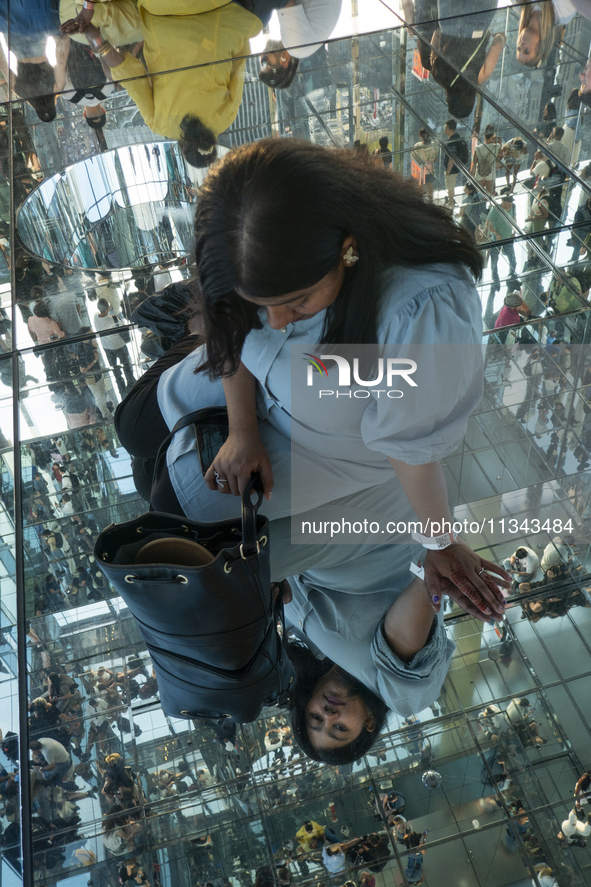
(116, 356)
(141, 429)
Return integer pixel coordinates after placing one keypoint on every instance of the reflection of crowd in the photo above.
(55, 309)
(343, 855)
(77, 715)
(64, 512)
(77, 718)
(71, 709)
(556, 569)
(510, 732)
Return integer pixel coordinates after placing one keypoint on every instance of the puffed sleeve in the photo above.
(437, 319)
(348, 627)
(408, 687)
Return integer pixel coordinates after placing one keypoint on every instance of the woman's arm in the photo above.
(408, 621)
(62, 53)
(492, 58)
(456, 570)
(243, 453)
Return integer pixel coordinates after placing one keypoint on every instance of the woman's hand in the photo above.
(458, 572)
(80, 23)
(283, 588)
(240, 456)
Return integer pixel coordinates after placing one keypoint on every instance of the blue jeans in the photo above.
(414, 867)
(58, 772)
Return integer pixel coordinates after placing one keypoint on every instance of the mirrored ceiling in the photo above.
(124, 208)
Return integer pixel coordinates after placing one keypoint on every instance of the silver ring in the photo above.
(220, 481)
(482, 571)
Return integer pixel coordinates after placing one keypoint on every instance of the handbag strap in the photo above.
(463, 68)
(190, 419)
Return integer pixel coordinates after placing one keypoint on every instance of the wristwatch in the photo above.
(434, 543)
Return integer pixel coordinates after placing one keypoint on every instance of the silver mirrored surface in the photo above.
(213, 812)
(125, 208)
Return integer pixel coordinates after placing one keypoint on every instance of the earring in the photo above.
(349, 258)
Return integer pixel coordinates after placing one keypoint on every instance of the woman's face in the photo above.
(333, 717)
(303, 304)
(585, 78)
(528, 42)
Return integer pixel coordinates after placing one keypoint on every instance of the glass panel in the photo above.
(11, 664)
(103, 195)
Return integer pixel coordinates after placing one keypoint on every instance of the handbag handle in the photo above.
(250, 545)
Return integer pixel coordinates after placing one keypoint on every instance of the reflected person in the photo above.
(35, 77)
(114, 345)
(86, 354)
(304, 27)
(460, 52)
(340, 593)
(39, 78)
(336, 717)
(538, 24)
(199, 102)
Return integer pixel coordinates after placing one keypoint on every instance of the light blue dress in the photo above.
(342, 591)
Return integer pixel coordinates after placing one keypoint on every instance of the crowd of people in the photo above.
(57, 307)
(353, 861)
(77, 736)
(554, 570)
(547, 191)
(70, 492)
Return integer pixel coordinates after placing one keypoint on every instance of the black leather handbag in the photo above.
(201, 595)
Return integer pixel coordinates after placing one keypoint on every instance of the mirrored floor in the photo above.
(99, 179)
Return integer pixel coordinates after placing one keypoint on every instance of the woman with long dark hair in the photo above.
(316, 681)
(297, 244)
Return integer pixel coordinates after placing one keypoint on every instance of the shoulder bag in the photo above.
(201, 595)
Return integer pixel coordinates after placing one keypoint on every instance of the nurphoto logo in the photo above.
(389, 370)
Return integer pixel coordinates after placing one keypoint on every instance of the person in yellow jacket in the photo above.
(195, 53)
(310, 835)
(117, 20)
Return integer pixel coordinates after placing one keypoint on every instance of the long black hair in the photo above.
(197, 142)
(309, 671)
(271, 219)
